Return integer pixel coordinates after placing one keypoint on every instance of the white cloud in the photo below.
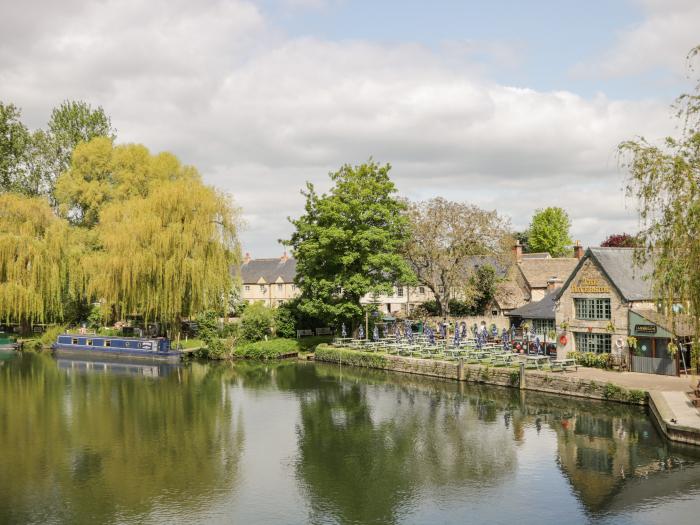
(260, 114)
(662, 39)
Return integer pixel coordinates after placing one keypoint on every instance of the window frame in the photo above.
(593, 308)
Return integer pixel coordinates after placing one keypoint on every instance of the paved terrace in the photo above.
(648, 382)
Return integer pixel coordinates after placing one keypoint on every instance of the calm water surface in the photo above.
(311, 443)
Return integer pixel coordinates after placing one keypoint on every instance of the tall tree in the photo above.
(549, 232)
(167, 254)
(347, 242)
(15, 140)
(665, 179)
(449, 240)
(34, 260)
(620, 240)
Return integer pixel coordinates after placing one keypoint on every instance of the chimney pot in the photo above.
(518, 251)
(578, 250)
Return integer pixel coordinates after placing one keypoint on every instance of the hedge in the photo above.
(350, 357)
(271, 349)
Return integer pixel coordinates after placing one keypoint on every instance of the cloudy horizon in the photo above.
(506, 106)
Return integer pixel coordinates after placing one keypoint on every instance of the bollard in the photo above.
(522, 376)
(460, 370)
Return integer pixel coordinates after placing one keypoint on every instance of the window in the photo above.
(494, 313)
(399, 291)
(108, 342)
(543, 326)
(89, 342)
(74, 341)
(247, 288)
(280, 287)
(596, 343)
(421, 290)
(592, 308)
(262, 288)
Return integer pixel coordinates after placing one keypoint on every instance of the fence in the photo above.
(654, 365)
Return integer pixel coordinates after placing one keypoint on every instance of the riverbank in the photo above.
(622, 387)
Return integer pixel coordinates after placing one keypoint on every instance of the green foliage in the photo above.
(484, 283)
(309, 344)
(514, 377)
(34, 260)
(257, 322)
(50, 335)
(95, 318)
(14, 145)
(207, 326)
(592, 360)
(349, 357)
(285, 321)
(549, 232)
(614, 392)
(636, 396)
(346, 243)
(271, 349)
(457, 308)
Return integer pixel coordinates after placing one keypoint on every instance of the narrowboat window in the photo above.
(108, 342)
(89, 342)
(126, 344)
(74, 341)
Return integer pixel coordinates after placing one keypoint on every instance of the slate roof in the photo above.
(536, 255)
(482, 260)
(538, 271)
(542, 309)
(269, 269)
(633, 282)
(509, 295)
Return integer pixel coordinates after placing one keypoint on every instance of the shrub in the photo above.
(230, 330)
(636, 396)
(49, 336)
(257, 322)
(216, 348)
(350, 357)
(207, 326)
(285, 322)
(272, 349)
(613, 392)
(592, 360)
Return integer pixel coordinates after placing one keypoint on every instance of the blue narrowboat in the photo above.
(115, 346)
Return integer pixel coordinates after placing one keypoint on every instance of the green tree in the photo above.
(446, 240)
(15, 140)
(549, 232)
(665, 179)
(347, 243)
(257, 322)
(34, 260)
(484, 282)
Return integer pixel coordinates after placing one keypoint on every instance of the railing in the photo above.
(654, 365)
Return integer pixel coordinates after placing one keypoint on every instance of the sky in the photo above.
(508, 105)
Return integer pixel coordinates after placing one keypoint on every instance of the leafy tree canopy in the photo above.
(34, 260)
(449, 242)
(549, 232)
(347, 242)
(620, 240)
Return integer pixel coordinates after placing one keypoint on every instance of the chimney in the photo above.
(518, 251)
(578, 250)
(284, 257)
(247, 258)
(554, 283)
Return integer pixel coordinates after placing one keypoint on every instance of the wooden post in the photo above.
(521, 384)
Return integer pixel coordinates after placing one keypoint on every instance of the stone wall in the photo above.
(552, 382)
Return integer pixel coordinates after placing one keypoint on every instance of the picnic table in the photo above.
(538, 361)
(563, 364)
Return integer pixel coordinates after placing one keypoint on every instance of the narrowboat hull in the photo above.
(157, 349)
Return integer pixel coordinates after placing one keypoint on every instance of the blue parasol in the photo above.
(343, 331)
(443, 330)
(375, 333)
(408, 331)
(361, 333)
(455, 342)
(431, 335)
(463, 335)
(494, 331)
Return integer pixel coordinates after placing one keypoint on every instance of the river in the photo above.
(293, 442)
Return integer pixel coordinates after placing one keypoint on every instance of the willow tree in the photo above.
(449, 242)
(165, 255)
(34, 260)
(665, 179)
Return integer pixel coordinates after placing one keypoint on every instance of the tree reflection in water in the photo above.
(101, 448)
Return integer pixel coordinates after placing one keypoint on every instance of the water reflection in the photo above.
(100, 447)
(113, 443)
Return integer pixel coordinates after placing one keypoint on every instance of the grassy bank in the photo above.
(349, 357)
